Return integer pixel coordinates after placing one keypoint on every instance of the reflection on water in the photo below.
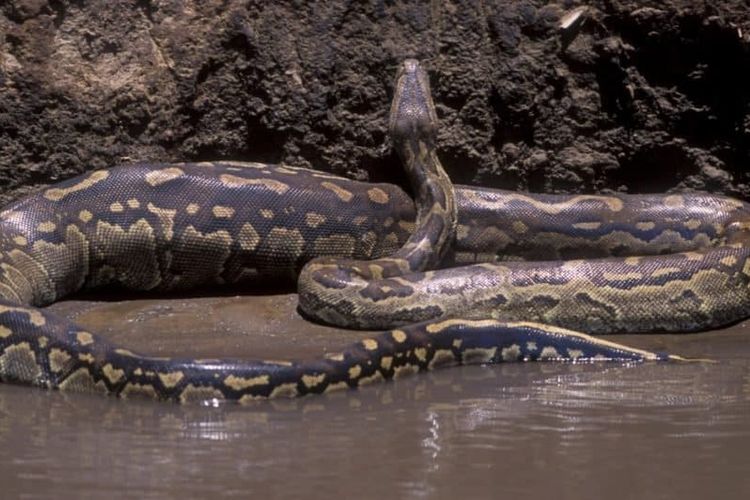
(534, 430)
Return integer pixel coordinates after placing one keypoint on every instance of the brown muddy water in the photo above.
(535, 430)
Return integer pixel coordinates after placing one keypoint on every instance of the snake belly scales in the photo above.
(365, 257)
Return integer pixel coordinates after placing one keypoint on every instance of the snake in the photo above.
(459, 275)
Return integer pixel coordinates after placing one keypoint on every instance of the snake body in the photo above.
(365, 254)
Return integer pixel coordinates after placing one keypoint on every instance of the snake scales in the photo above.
(624, 263)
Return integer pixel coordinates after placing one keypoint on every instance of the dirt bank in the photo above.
(533, 96)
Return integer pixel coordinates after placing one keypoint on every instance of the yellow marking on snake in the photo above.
(289, 240)
(222, 212)
(84, 338)
(511, 353)
(162, 176)
(441, 358)
(166, 219)
(274, 185)
(613, 204)
(399, 336)
(386, 362)
(664, 271)
(87, 358)
(406, 226)
(171, 379)
(404, 370)
(463, 231)
(311, 381)
(139, 390)
(377, 195)
(746, 268)
(82, 381)
(266, 214)
(342, 244)
(192, 208)
(116, 207)
(43, 341)
(113, 374)
(191, 394)
(248, 237)
(729, 260)
(342, 193)
(519, 227)
(284, 391)
(35, 317)
(279, 362)
(85, 215)
(16, 283)
(286, 170)
(57, 194)
(21, 358)
(46, 227)
(575, 353)
(479, 355)
(622, 276)
(674, 201)
(693, 256)
(354, 372)
(336, 387)
(5, 332)
(549, 352)
(58, 360)
(377, 273)
(370, 344)
(133, 203)
(242, 383)
(587, 225)
(421, 354)
(237, 166)
(439, 326)
(645, 226)
(20, 241)
(249, 398)
(146, 275)
(375, 377)
(313, 219)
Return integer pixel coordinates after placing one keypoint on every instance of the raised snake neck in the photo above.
(167, 227)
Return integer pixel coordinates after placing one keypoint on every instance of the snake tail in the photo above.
(41, 349)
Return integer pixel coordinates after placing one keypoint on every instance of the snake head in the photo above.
(413, 114)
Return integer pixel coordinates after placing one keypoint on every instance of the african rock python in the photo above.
(171, 227)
